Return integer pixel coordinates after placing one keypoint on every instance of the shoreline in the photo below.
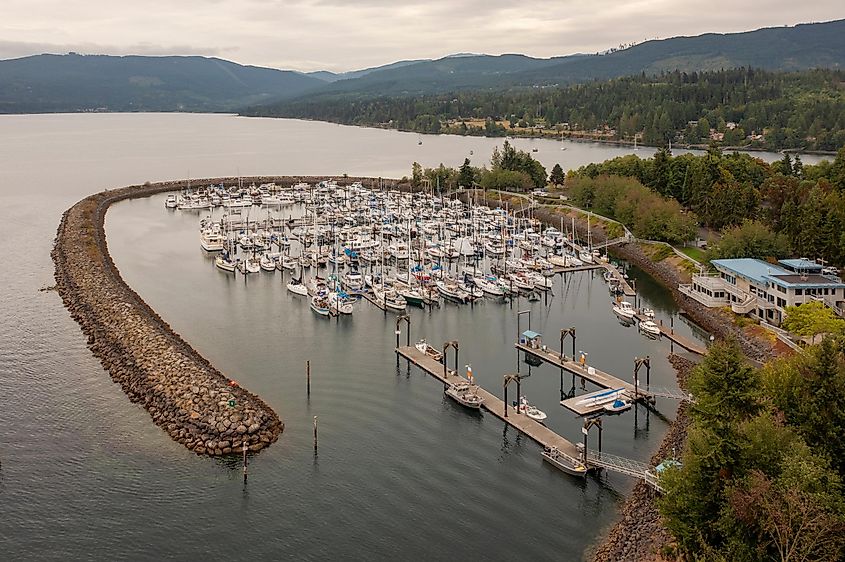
(185, 395)
(559, 137)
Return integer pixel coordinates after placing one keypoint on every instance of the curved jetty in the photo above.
(184, 394)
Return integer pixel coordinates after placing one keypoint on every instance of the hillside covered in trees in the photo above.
(764, 210)
(739, 107)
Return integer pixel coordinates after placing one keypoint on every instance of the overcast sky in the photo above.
(343, 35)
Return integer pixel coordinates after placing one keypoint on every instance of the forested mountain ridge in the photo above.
(69, 83)
(739, 107)
(801, 47)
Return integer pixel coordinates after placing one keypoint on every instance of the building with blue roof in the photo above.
(752, 286)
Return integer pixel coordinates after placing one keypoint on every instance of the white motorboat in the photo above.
(211, 239)
(617, 406)
(452, 291)
(489, 286)
(521, 282)
(624, 310)
(389, 299)
(249, 265)
(353, 280)
(426, 348)
(287, 262)
(531, 411)
(564, 462)
(465, 394)
(650, 328)
(225, 263)
(340, 303)
(559, 261)
(320, 305)
(170, 202)
(648, 313)
(267, 263)
(296, 287)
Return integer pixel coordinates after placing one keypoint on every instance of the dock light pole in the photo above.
(563, 336)
(509, 378)
(639, 362)
(446, 346)
(407, 320)
(518, 318)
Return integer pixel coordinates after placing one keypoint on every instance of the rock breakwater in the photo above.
(185, 395)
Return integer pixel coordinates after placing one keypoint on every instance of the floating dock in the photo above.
(669, 333)
(591, 374)
(627, 289)
(493, 404)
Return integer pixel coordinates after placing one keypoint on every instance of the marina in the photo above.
(385, 437)
(344, 241)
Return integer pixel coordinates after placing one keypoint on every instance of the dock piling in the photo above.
(245, 461)
(308, 378)
(315, 435)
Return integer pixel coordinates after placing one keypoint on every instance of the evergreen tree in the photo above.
(557, 176)
(466, 175)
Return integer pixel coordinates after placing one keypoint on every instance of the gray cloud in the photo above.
(351, 34)
(15, 49)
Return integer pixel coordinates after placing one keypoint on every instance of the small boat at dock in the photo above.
(426, 348)
(649, 328)
(564, 462)
(465, 394)
(624, 310)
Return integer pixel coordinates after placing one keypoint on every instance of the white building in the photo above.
(751, 286)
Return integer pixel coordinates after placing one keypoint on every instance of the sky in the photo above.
(341, 35)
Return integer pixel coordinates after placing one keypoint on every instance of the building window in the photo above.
(799, 292)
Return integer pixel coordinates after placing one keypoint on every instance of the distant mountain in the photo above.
(802, 47)
(327, 76)
(782, 48)
(50, 83)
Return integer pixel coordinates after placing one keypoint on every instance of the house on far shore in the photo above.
(751, 286)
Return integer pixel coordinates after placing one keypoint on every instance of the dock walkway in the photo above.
(591, 374)
(670, 333)
(492, 403)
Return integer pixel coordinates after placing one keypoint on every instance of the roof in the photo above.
(801, 264)
(763, 273)
(531, 335)
(810, 280)
(752, 269)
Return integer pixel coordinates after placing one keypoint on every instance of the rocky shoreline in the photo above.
(639, 534)
(196, 404)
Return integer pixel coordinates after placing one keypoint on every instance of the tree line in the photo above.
(763, 210)
(761, 475)
(741, 107)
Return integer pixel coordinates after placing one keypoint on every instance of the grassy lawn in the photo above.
(695, 253)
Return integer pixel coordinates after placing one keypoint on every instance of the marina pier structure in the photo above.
(563, 452)
(530, 342)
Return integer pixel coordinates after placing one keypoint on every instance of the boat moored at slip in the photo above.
(617, 406)
(465, 394)
(225, 263)
(296, 287)
(624, 310)
(564, 462)
(649, 328)
(320, 305)
(426, 348)
(523, 407)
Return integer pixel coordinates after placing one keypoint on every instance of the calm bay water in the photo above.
(84, 474)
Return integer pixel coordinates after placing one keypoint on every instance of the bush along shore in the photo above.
(196, 404)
